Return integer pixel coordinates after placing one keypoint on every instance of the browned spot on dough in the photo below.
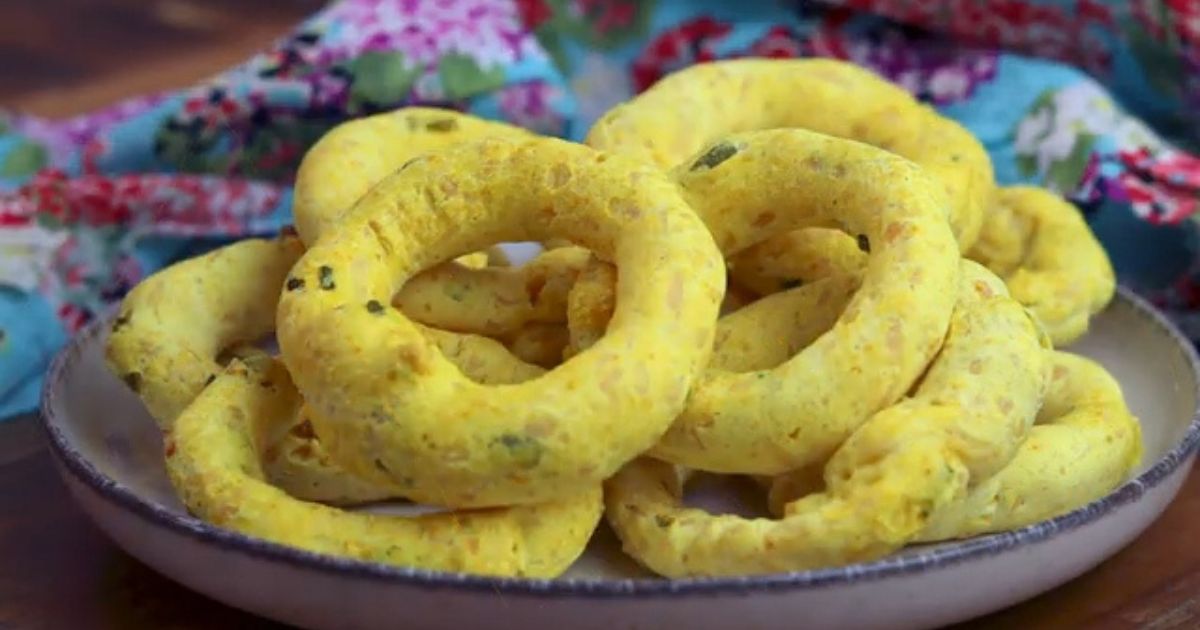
(541, 428)
(304, 431)
(1059, 372)
(983, 289)
(559, 175)
(892, 232)
(675, 294)
(1006, 405)
(895, 337)
(976, 366)
(764, 219)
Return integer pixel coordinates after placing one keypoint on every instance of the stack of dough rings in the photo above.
(812, 281)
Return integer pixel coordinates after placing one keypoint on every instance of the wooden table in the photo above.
(58, 571)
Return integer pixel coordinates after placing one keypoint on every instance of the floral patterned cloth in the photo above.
(90, 205)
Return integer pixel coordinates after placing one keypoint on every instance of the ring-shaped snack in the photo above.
(885, 483)
(772, 182)
(823, 95)
(213, 461)
(1043, 248)
(386, 402)
(354, 156)
(174, 330)
(295, 460)
(173, 326)
(1084, 444)
(797, 257)
(494, 301)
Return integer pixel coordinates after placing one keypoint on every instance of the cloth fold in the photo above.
(91, 204)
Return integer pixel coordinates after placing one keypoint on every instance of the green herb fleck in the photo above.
(715, 155)
(864, 243)
(325, 277)
(295, 283)
(442, 125)
(120, 321)
(664, 520)
(374, 307)
(524, 450)
(133, 380)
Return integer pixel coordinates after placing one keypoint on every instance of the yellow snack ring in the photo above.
(831, 97)
(494, 301)
(388, 405)
(296, 461)
(772, 182)
(213, 462)
(775, 328)
(796, 257)
(895, 473)
(542, 345)
(173, 325)
(1049, 257)
(355, 155)
(1085, 443)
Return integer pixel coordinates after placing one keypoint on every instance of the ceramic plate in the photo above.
(110, 455)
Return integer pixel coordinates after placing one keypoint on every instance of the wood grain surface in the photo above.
(61, 57)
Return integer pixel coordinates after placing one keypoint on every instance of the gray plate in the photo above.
(110, 455)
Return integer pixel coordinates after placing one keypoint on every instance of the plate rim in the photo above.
(123, 497)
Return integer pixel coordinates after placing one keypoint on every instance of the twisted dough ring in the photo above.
(1048, 256)
(822, 95)
(172, 329)
(213, 461)
(388, 405)
(772, 182)
(902, 468)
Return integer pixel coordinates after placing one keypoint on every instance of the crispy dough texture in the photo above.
(467, 295)
(827, 96)
(295, 460)
(885, 483)
(172, 326)
(388, 405)
(1049, 257)
(355, 155)
(213, 462)
(494, 301)
(1085, 443)
(796, 257)
(773, 182)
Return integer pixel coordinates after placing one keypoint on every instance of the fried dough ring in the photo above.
(387, 403)
(896, 472)
(172, 329)
(172, 326)
(795, 258)
(827, 96)
(1084, 444)
(354, 156)
(494, 301)
(1049, 257)
(772, 182)
(213, 461)
(296, 461)
(475, 298)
